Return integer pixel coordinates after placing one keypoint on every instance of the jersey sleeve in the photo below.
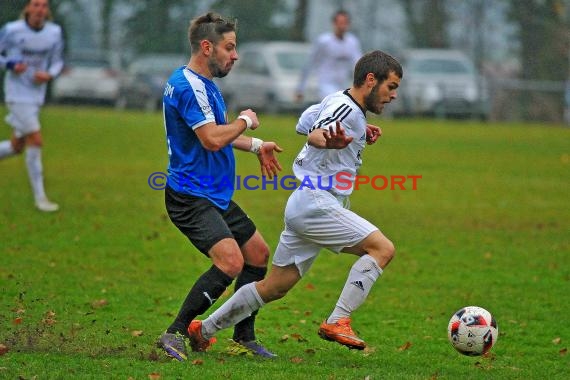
(330, 114)
(56, 56)
(194, 106)
(4, 35)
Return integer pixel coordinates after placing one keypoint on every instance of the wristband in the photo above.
(10, 64)
(255, 145)
(247, 119)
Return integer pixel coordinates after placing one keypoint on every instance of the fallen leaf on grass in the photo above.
(557, 340)
(99, 303)
(137, 333)
(17, 320)
(284, 338)
(298, 337)
(3, 349)
(154, 376)
(310, 286)
(405, 346)
(197, 362)
(296, 360)
(563, 351)
(310, 351)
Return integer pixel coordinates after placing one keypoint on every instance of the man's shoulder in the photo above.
(52, 27)
(12, 26)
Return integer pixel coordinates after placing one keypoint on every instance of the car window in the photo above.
(156, 65)
(253, 63)
(292, 61)
(439, 66)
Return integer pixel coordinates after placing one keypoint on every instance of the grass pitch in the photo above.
(86, 291)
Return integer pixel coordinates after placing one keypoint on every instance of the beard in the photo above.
(372, 101)
(215, 68)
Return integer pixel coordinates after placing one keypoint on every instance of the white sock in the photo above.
(6, 149)
(362, 276)
(35, 171)
(241, 305)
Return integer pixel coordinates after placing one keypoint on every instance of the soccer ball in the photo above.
(472, 331)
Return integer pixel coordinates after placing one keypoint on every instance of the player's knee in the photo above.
(260, 256)
(231, 265)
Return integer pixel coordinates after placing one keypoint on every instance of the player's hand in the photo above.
(42, 77)
(253, 116)
(372, 133)
(269, 163)
(20, 67)
(336, 138)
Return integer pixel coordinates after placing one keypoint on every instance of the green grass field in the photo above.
(86, 291)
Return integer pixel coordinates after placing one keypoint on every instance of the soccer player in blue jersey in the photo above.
(198, 196)
(31, 51)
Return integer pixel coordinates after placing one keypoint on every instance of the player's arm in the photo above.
(56, 58)
(214, 137)
(329, 137)
(6, 62)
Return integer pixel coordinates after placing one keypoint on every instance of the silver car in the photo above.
(86, 79)
(440, 82)
(142, 84)
(266, 76)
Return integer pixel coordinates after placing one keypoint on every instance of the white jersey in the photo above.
(333, 169)
(333, 60)
(41, 50)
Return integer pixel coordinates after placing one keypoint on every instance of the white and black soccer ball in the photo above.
(472, 331)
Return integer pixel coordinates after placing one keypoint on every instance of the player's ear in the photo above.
(206, 47)
(371, 80)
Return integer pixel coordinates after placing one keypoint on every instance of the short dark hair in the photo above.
(378, 63)
(211, 27)
(340, 12)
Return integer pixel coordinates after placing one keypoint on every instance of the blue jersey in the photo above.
(191, 101)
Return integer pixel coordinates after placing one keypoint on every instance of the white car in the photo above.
(265, 77)
(440, 82)
(86, 79)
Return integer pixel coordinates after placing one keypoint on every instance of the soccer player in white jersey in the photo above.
(31, 51)
(332, 58)
(316, 217)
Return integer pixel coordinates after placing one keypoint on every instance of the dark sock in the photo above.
(206, 290)
(245, 330)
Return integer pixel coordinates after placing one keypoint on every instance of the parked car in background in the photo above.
(265, 77)
(440, 82)
(86, 78)
(142, 84)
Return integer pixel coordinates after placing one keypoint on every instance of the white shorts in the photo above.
(316, 219)
(23, 118)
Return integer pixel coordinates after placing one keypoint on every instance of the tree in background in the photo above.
(158, 26)
(544, 37)
(427, 23)
(256, 19)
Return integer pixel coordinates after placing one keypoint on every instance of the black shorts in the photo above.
(205, 224)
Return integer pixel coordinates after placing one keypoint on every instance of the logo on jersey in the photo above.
(168, 90)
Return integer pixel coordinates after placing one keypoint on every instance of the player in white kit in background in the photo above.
(317, 218)
(31, 50)
(332, 58)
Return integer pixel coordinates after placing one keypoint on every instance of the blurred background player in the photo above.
(31, 50)
(332, 58)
